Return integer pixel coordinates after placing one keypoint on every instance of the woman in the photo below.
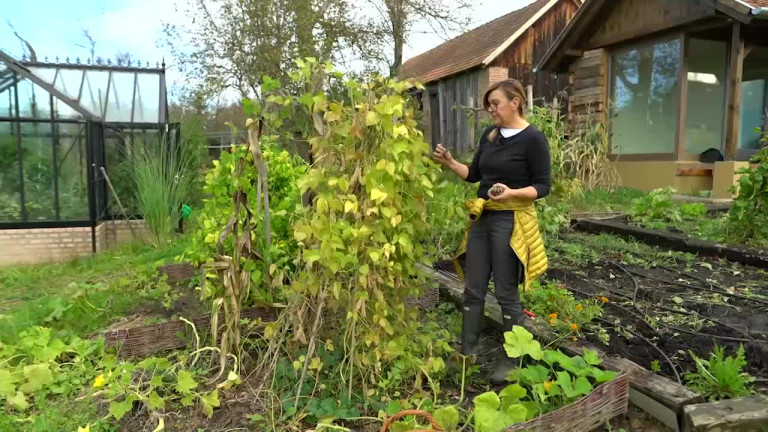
(512, 164)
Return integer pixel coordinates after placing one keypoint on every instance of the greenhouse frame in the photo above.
(65, 128)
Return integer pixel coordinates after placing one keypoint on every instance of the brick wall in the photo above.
(40, 245)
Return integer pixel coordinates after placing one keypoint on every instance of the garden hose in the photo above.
(435, 427)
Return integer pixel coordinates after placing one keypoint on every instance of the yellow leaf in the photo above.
(315, 363)
(395, 220)
(391, 168)
(299, 236)
(378, 195)
(350, 207)
(371, 118)
(374, 255)
(99, 381)
(425, 181)
(400, 130)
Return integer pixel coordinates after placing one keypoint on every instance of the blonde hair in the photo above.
(512, 89)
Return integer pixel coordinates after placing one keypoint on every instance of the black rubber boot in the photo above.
(505, 364)
(472, 320)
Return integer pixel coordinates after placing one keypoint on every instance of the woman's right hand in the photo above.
(442, 155)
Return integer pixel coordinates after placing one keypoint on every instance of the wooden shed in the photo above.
(675, 81)
(458, 72)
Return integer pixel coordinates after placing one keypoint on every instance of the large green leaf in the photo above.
(582, 386)
(210, 401)
(534, 374)
(447, 418)
(18, 402)
(602, 376)
(38, 376)
(119, 409)
(591, 357)
(489, 417)
(185, 382)
(155, 401)
(519, 342)
(7, 383)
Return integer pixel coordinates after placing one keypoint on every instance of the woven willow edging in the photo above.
(154, 338)
(606, 401)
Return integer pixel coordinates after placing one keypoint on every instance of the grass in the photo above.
(605, 200)
(83, 295)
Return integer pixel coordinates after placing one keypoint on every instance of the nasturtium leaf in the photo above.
(519, 342)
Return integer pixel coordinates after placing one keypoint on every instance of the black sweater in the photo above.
(519, 161)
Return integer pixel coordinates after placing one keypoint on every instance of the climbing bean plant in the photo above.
(361, 238)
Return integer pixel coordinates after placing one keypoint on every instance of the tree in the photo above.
(234, 43)
(397, 18)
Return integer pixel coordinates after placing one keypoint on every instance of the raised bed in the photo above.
(660, 396)
(674, 241)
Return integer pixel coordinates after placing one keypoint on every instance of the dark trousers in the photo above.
(489, 252)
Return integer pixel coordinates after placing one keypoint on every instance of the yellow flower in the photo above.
(547, 386)
(99, 381)
(574, 326)
(552, 322)
(604, 299)
(87, 428)
(574, 338)
(579, 307)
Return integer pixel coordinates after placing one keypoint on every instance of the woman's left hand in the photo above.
(499, 192)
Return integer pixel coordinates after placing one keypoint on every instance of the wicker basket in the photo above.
(605, 402)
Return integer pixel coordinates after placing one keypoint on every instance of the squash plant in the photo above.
(545, 381)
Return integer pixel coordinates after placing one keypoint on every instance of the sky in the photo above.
(55, 28)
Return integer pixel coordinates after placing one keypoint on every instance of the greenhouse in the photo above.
(65, 128)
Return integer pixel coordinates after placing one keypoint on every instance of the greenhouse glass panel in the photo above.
(147, 102)
(10, 186)
(47, 74)
(68, 82)
(7, 100)
(34, 101)
(38, 171)
(94, 94)
(71, 167)
(120, 99)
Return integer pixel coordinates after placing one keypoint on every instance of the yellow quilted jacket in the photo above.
(526, 240)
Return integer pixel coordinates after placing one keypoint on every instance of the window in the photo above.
(71, 170)
(645, 94)
(38, 171)
(707, 66)
(754, 99)
(10, 186)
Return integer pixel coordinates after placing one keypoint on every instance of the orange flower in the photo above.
(547, 386)
(579, 307)
(604, 299)
(574, 338)
(574, 326)
(553, 316)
